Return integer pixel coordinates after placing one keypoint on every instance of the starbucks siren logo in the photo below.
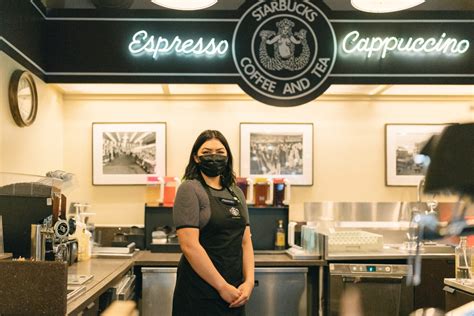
(234, 211)
(280, 57)
(284, 47)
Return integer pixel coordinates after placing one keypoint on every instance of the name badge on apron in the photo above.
(228, 201)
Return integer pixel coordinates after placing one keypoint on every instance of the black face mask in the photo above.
(212, 165)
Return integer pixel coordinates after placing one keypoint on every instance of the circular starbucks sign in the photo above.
(284, 51)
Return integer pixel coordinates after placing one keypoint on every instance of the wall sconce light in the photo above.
(185, 4)
(384, 6)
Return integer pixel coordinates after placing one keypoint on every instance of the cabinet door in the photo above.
(157, 294)
(455, 298)
(279, 291)
(430, 292)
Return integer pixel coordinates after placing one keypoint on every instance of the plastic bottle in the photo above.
(280, 236)
(153, 191)
(463, 260)
(83, 236)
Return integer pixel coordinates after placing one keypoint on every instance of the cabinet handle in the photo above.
(256, 283)
(90, 305)
(448, 289)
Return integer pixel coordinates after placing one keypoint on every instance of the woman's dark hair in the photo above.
(192, 169)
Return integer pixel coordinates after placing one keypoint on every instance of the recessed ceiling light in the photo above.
(384, 6)
(185, 4)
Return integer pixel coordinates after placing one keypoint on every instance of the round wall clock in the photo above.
(23, 98)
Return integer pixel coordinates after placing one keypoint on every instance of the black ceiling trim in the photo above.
(92, 46)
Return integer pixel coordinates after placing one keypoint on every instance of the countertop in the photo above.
(394, 252)
(466, 286)
(108, 271)
(27, 287)
(105, 273)
(5, 255)
(147, 258)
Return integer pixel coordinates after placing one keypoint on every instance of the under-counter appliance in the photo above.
(381, 287)
(157, 291)
(277, 292)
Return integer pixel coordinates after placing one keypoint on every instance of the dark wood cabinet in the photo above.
(455, 297)
(430, 292)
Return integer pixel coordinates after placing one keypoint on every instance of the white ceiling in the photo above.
(233, 89)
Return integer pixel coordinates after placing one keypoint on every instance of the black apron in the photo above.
(222, 240)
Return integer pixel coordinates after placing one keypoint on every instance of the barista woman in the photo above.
(216, 272)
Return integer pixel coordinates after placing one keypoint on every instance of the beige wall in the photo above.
(348, 143)
(348, 140)
(38, 148)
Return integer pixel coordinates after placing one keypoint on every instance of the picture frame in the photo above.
(277, 150)
(403, 165)
(2, 249)
(128, 153)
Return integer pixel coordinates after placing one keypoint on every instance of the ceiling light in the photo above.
(383, 6)
(185, 4)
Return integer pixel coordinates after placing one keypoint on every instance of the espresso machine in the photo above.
(51, 242)
(33, 214)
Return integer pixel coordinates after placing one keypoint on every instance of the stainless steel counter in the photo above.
(147, 258)
(105, 273)
(394, 252)
(108, 271)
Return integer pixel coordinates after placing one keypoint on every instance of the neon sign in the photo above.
(372, 45)
(150, 44)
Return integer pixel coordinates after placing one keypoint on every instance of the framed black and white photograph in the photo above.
(127, 153)
(404, 165)
(277, 150)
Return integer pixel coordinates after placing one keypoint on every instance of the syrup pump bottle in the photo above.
(280, 236)
(463, 260)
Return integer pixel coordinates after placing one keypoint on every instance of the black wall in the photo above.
(79, 46)
(22, 28)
